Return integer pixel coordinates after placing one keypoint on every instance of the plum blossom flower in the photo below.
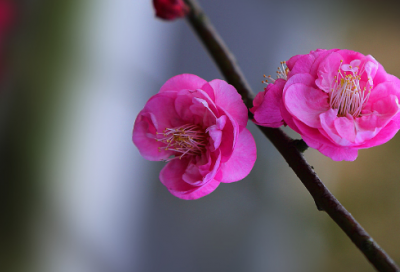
(199, 128)
(170, 9)
(339, 101)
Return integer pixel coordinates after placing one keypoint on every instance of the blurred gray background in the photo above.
(88, 202)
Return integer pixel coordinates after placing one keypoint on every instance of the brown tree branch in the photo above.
(289, 148)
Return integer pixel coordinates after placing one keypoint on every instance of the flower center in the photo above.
(185, 140)
(282, 72)
(346, 93)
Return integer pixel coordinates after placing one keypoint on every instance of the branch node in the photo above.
(300, 145)
(319, 207)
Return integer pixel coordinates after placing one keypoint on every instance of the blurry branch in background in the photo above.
(288, 147)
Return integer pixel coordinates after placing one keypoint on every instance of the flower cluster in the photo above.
(339, 101)
(199, 128)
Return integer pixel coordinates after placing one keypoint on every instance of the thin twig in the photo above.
(288, 147)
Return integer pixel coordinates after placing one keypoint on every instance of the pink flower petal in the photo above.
(230, 133)
(183, 82)
(229, 99)
(312, 133)
(288, 118)
(320, 56)
(202, 112)
(383, 136)
(258, 101)
(144, 138)
(328, 125)
(198, 192)
(307, 63)
(371, 68)
(339, 153)
(381, 91)
(354, 66)
(381, 75)
(207, 88)
(242, 160)
(365, 133)
(202, 169)
(171, 177)
(155, 118)
(348, 55)
(216, 137)
(336, 153)
(383, 111)
(292, 61)
(192, 174)
(196, 107)
(162, 107)
(345, 128)
(210, 169)
(303, 78)
(327, 72)
(302, 65)
(306, 103)
(396, 120)
(215, 132)
(269, 113)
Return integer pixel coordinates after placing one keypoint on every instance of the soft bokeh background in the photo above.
(78, 197)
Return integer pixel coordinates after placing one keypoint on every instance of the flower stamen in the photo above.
(282, 72)
(188, 139)
(346, 93)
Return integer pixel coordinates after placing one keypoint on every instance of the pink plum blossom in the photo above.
(170, 9)
(199, 128)
(338, 100)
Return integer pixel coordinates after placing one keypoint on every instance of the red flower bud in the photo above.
(170, 9)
